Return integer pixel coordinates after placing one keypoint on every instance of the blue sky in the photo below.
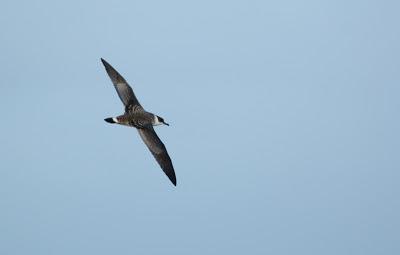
(283, 127)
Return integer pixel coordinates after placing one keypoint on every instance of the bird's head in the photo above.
(158, 120)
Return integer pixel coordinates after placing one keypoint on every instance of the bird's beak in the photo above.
(166, 123)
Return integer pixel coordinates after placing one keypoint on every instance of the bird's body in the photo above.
(143, 121)
(138, 119)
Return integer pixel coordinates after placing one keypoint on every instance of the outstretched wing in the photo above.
(159, 151)
(124, 91)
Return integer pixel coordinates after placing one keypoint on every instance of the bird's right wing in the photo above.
(124, 91)
(159, 151)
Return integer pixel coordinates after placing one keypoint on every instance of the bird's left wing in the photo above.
(124, 91)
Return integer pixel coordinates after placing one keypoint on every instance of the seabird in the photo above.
(143, 121)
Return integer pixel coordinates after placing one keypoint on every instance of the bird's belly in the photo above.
(139, 123)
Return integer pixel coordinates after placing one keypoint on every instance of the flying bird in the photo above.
(142, 120)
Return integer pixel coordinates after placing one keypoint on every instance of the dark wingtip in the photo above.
(174, 182)
(105, 63)
(172, 178)
(109, 120)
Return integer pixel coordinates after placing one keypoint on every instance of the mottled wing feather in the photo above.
(124, 91)
(159, 151)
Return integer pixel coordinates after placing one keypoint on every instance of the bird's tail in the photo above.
(111, 120)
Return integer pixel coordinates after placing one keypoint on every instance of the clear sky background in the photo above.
(284, 127)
